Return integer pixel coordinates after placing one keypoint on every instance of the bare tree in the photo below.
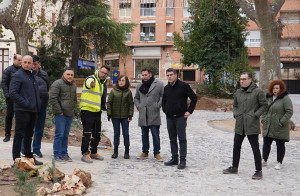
(13, 16)
(263, 13)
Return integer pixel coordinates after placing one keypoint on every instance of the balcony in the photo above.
(145, 37)
(170, 12)
(148, 12)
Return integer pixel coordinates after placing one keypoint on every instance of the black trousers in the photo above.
(177, 127)
(253, 140)
(25, 122)
(9, 116)
(91, 122)
(280, 148)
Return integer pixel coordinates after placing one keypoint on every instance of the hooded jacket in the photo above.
(276, 120)
(248, 106)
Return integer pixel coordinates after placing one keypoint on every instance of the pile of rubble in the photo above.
(73, 184)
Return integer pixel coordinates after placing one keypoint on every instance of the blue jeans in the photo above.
(125, 131)
(62, 129)
(155, 136)
(39, 130)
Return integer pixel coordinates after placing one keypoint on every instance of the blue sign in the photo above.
(115, 76)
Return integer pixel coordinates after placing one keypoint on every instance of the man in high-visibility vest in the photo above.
(92, 103)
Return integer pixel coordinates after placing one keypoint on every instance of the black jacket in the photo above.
(174, 102)
(23, 90)
(44, 84)
(6, 77)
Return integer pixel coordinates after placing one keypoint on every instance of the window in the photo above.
(114, 65)
(141, 63)
(4, 59)
(125, 8)
(147, 32)
(128, 33)
(290, 17)
(148, 8)
(186, 12)
(253, 39)
(186, 31)
(170, 8)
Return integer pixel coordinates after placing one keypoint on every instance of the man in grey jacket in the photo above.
(249, 104)
(148, 99)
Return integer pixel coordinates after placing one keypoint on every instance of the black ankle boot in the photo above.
(173, 161)
(182, 164)
(115, 155)
(126, 154)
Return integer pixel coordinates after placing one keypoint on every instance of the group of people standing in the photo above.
(275, 110)
(26, 88)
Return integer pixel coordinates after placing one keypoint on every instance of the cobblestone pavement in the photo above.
(209, 151)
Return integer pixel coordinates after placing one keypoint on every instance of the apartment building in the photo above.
(151, 41)
(289, 45)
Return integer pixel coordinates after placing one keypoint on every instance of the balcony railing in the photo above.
(170, 12)
(147, 36)
(148, 11)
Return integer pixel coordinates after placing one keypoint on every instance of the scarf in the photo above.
(146, 85)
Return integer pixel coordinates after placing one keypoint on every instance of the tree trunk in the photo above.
(269, 57)
(270, 32)
(21, 38)
(75, 44)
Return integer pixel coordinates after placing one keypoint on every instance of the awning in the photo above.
(125, 1)
(147, 21)
(147, 1)
(147, 53)
(111, 57)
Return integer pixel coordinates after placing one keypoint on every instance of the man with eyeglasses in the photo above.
(174, 105)
(92, 103)
(249, 104)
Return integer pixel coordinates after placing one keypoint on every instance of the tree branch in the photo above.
(23, 11)
(276, 6)
(247, 8)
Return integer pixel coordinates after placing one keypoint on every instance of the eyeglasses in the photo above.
(104, 73)
(243, 79)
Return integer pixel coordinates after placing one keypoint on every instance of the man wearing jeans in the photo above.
(63, 100)
(147, 100)
(174, 105)
(249, 104)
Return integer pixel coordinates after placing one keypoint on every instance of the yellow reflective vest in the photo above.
(91, 97)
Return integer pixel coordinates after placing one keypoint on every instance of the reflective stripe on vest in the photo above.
(90, 102)
(92, 92)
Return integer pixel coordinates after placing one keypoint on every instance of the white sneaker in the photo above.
(278, 166)
(264, 163)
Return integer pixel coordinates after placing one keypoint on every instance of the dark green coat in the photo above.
(248, 106)
(120, 103)
(63, 97)
(276, 120)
